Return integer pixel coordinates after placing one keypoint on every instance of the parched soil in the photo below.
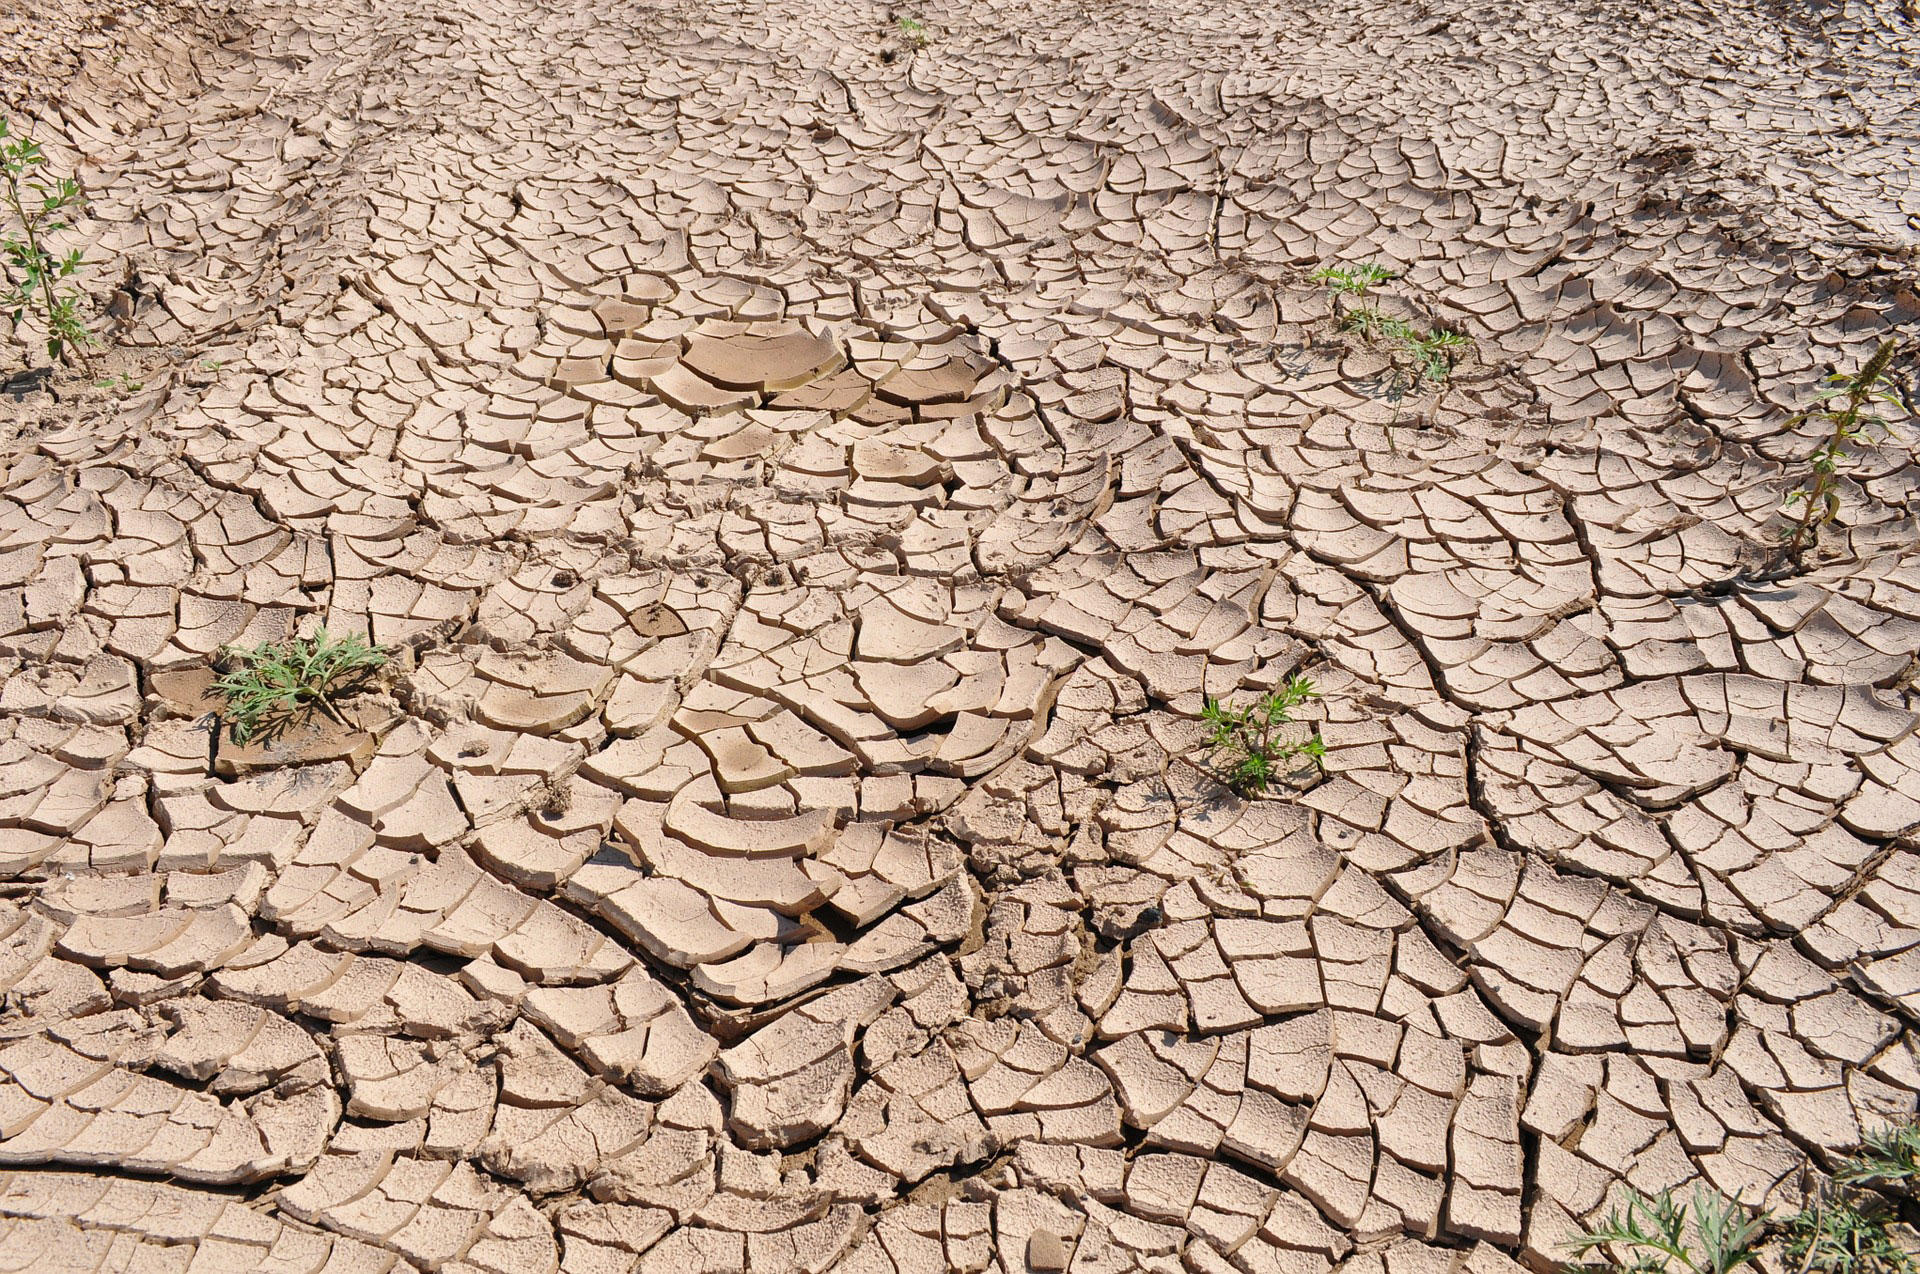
(809, 471)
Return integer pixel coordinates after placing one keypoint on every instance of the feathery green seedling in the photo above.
(1653, 1234)
(1353, 280)
(914, 30)
(1244, 739)
(1354, 283)
(275, 681)
(31, 276)
(1433, 352)
(1843, 408)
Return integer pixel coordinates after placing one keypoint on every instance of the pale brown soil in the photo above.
(809, 478)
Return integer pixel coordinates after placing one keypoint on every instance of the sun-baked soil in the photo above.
(810, 472)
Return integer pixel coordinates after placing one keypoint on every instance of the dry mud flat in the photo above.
(811, 481)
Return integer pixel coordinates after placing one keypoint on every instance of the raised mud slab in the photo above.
(810, 479)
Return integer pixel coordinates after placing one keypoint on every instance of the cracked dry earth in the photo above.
(809, 482)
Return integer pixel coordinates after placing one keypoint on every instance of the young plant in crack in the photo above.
(1843, 410)
(1434, 353)
(32, 278)
(1419, 358)
(269, 686)
(1248, 743)
(1351, 285)
(914, 30)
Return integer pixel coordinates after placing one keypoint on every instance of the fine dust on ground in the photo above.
(810, 471)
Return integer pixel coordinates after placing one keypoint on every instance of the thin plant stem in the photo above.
(1821, 500)
(64, 337)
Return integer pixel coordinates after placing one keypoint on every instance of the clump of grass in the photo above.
(1244, 740)
(31, 276)
(915, 30)
(273, 683)
(1843, 408)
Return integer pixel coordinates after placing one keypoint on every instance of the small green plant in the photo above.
(1371, 323)
(1351, 285)
(1433, 352)
(1652, 1234)
(273, 682)
(1244, 739)
(1842, 408)
(31, 276)
(120, 382)
(1354, 280)
(914, 30)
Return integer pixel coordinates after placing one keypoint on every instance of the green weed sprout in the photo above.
(914, 30)
(1652, 1233)
(1353, 283)
(1353, 280)
(30, 275)
(1843, 408)
(1243, 738)
(1434, 353)
(273, 682)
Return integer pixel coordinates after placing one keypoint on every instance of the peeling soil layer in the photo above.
(810, 471)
